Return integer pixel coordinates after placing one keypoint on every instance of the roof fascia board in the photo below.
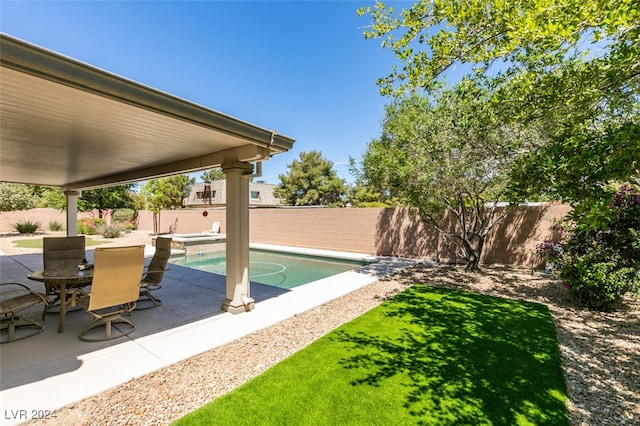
(244, 154)
(34, 60)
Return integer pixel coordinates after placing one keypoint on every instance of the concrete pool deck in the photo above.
(51, 370)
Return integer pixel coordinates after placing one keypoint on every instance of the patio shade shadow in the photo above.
(189, 296)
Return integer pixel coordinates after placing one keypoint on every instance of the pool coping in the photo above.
(345, 255)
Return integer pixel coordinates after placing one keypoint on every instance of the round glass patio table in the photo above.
(58, 281)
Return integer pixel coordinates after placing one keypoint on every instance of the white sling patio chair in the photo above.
(215, 228)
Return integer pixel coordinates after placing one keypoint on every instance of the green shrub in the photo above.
(86, 228)
(54, 225)
(596, 282)
(125, 218)
(129, 226)
(26, 226)
(600, 261)
(123, 215)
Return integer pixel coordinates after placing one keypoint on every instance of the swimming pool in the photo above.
(284, 270)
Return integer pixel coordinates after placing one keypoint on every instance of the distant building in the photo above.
(214, 194)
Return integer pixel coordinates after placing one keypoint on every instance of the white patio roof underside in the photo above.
(65, 123)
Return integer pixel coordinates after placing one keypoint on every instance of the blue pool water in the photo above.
(277, 269)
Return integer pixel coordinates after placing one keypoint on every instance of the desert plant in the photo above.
(54, 225)
(26, 226)
(110, 231)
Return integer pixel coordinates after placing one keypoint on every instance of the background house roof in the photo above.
(260, 193)
(65, 123)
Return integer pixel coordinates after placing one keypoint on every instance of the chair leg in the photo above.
(45, 310)
(107, 321)
(154, 300)
(146, 296)
(13, 324)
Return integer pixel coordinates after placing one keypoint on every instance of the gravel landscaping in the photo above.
(600, 352)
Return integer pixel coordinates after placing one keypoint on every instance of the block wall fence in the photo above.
(376, 231)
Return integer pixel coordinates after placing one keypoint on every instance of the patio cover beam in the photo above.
(246, 153)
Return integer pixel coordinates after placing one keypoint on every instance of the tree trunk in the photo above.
(474, 254)
(156, 223)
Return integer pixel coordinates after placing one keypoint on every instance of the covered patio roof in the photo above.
(68, 124)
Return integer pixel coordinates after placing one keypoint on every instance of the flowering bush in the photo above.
(626, 198)
(549, 251)
(89, 225)
(600, 264)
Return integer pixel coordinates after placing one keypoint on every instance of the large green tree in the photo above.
(165, 193)
(570, 66)
(52, 197)
(212, 174)
(448, 157)
(15, 196)
(104, 199)
(311, 181)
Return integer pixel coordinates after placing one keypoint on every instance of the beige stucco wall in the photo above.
(379, 231)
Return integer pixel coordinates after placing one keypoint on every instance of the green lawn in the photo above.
(37, 242)
(429, 356)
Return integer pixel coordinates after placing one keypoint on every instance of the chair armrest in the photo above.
(156, 270)
(74, 296)
(23, 290)
(24, 287)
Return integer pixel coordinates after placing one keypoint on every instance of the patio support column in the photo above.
(238, 297)
(72, 212)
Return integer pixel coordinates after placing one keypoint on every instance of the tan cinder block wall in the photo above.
(346, 229)
(183, 221)
(43, 216)
(512, 242)
(332, 229)
(378, 231)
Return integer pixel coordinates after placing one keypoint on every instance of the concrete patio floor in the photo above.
(51, 370)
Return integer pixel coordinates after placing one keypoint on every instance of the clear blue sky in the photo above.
(302, 68)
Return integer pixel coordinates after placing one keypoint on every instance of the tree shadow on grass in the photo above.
(462, 358)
